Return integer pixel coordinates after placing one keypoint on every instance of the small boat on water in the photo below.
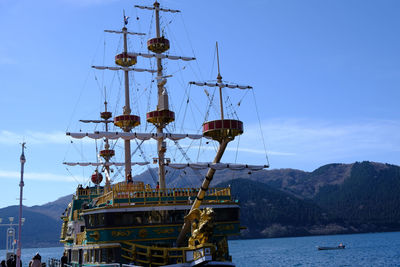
(341, 246)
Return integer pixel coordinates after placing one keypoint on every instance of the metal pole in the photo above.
(21, 186)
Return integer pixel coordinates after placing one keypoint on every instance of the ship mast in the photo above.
(223, 131)
(162, 116)
(219, 80)
(107, 153)
(162, 105)
(126, 121)
(127, 108)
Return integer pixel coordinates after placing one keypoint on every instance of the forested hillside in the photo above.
(369, 197)
(335, 198)
(268, 212)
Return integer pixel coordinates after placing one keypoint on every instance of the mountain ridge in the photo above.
(332, 199)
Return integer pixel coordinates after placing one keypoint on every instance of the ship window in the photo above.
(124, 219)
(92, 255)
(93, 220)
(116, 218)
(96, 255)
(110, 255)
(89, 255)
(104, 255)
(175, 216)
(229, 214)
(90, 220)
(138, 218)
(74, 256)
(101, 219)
(85, 256)
(155, 217)
(127, 219)
(148, 217)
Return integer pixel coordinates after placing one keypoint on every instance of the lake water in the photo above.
(378, 249)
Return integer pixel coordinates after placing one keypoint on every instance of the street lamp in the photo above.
(10, 235)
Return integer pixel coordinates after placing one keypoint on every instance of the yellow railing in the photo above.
(169, 195)
(151, 255)
(138, 193)
(133, 186)
(124, 192)
(220, 191)
(80, 191)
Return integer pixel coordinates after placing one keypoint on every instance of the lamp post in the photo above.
(21, 186)
(10, 235)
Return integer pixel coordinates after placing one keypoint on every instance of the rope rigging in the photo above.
(261, 131)
(140, 91)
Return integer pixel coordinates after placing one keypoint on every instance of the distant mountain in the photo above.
(335, 198)
(53, 209)
(42, 223)
(268, 212)
(369, 197)
(295, 182)
(358, 197)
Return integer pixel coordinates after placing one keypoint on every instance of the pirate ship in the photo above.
(130, 222)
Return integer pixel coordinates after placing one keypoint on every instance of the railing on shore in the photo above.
(54, 263)
(57, 263)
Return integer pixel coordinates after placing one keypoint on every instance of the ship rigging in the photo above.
(130, 222)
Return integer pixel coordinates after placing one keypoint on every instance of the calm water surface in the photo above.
(381, 249)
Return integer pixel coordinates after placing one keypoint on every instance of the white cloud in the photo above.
(311, 143)
(304, 144)
(310, 135)
(32, 137)
(245, 150)
(40, 176)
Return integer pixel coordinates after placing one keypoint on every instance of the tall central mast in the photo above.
(162, 115)
(162, 105)
(127, 109)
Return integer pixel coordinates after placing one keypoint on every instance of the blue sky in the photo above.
(326, 78)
